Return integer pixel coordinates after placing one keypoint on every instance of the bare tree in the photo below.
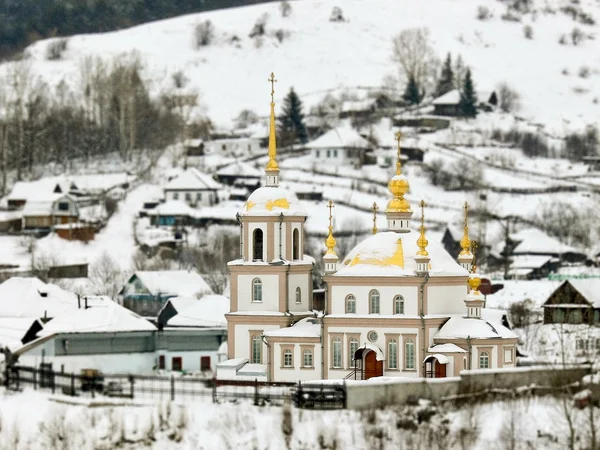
(416, 57)
(107, 276)
(510, 99)
(19, 78)
(285, 8)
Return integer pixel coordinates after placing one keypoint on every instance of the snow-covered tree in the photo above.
(468, 96)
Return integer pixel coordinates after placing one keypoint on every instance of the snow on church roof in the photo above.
(109, 316)
(209, 311)
(382, 255)
(460, 327)
(308, 327)
(273, 201)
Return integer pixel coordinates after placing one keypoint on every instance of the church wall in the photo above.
(270, 293)
(478, 349)
(298, 372)
(446, 299)
(386, 299)
(242, 339)
(303, 281)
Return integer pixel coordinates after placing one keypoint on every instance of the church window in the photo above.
(374, 302)
(329, 153)
(307, 360)
(288, 358)
(298, 295)
(392, 354)
(256, 349)
(337, 353)
(351, 304)
(409, 354)
(352, 347)
(296, 244)
(484, 360)
(257, 245)
(256, 290)
(398, 304)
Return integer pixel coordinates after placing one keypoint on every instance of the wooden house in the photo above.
(342, 146)
(45, 212)
(172, 213)
(194, 147)
(448, 104)
(23, 191)
(240, 174)
(194, 188)
(574, 301)
(358, 109)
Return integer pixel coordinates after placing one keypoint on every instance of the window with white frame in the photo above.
(256, 349)
(351, 304)
(374, 302)
(508, 355)
(257, 290)
(199, 196)
(484, 360)
(352, 347)
(392, 356)
(398, 304)
(307, 358)
(298, 295)
(409, 354)
(337, 353)
(288, 358)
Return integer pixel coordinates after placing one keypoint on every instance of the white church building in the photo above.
(395, 306)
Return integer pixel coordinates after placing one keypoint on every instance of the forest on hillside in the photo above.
(25, 21)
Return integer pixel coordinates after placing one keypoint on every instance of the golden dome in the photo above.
(330, 241)
(422, 241)
(398, 204)
(398, 185)
(474, 282)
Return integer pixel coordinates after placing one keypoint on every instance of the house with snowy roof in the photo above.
(341, 146)
(22, 191)
(16, 331)
(147, 291)
(207, 311)
(448, 104)
(194, 188)
(396, 305)
(574, 301)
(240, 174)
(43, 213)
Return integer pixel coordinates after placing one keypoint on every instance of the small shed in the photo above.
(194, 147)
(574, 301)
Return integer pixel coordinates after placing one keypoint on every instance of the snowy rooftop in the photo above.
(41, 205)
(24, 190)
(107, 317)
(192, 179)
(209, 311)
(241, 169)
(30, 297)
(180, 303)
(445, 348)
(358, 105)
(529, 261)
(537, 291)
(168, 282)
(273, 201)
(173, 208)
(463, 327)
(392, 254)
(449, 98)
(340, 137)
(13, 329)
(532, 240)
(308, 327)
(589, 289)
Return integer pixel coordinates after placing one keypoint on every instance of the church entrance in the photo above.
(435, 366)
(373, 368)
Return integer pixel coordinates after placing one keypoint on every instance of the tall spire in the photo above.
(465, 257)
(272, 168)
(330, 258)
(374, 208)
(398, 210)
(422, 241)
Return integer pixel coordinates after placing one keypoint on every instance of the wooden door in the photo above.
(440, 370)
(373, 368)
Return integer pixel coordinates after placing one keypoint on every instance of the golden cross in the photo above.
(272, 80)
(374, 208)
(398, 136)
(422, 205)
(330, 206)
(466, 208)
(474, 247)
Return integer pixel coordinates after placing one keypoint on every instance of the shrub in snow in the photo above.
(285, 8)
(511, 16)
(281, 34)
(483, 13)
(509, 98)
(576, 36)
(179, 79)
(584, 71)
(55, 49)
(287, 425)
(260, 26)
(562, 40)
(337, 15)
(204, 32)
(528, 32)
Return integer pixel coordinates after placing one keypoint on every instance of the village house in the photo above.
(206, 312)
(147, 291)
(171, 308)
(16, 331)
(238, 146)
(239, 174)
(194, 188)
(194, 147)
(448, 104)
(358, 108)
(42, 213)
(172, 213)
(574, 301)
(341, 146)
(22, 191)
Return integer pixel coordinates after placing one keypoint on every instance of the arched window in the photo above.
(409, 354)
(337, 353)
(484, 360)
(392, 354)
(296, 244)
(398, 304)
(351, 304)
(257, 245)
(256, 349)
(352, 347)
(307, 358)
(256, 290)
(374, 302)
(288, 358)
(298, 295)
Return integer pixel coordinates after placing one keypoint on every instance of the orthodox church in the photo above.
(395, 306)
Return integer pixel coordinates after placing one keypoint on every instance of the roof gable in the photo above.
(576, 292)
(340, 137)
(192, 179)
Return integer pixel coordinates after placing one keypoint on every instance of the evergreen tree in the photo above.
(468, 97)
(446, 81)
(412, 94)
(291, 121)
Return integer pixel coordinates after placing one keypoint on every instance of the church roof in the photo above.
(392, 254)
(309, 327)
(460, 327)
(273, 201)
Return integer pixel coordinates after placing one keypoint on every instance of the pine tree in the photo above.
(412, 94)
(468, 97)
(446, 81)
(291, 121)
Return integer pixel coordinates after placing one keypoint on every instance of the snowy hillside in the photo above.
(557, 82)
